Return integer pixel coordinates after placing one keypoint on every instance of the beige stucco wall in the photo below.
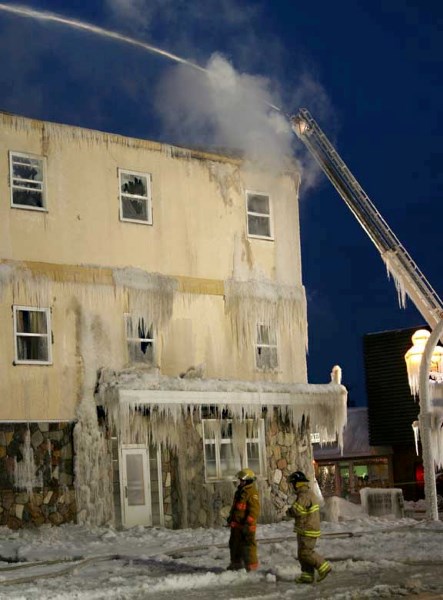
(198, 237)
(199, 210)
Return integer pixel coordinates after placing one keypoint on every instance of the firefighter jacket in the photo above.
(245, 508)
(306, 512)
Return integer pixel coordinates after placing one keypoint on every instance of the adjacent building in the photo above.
(153, 331)
(345, 471)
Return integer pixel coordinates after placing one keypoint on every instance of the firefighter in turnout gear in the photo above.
(243, 523)
(306, 513)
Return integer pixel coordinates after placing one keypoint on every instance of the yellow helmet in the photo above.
(246, 474)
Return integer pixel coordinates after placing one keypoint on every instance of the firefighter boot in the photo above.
(323, 570)
(305, 578)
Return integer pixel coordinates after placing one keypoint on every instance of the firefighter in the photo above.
(243, 523)
(306, 513)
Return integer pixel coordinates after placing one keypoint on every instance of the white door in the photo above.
(135, 486)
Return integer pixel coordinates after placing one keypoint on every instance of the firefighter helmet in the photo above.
(246, 474)
(297, 477)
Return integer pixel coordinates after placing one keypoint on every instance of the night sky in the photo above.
(369, 71)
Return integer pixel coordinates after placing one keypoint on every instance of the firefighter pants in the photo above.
(308, 558)
(243, 549)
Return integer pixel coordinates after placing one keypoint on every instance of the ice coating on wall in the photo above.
(25, 476)
(150, 296)
(60, 134)
(260, 301)
(93, 469)
(144, 294)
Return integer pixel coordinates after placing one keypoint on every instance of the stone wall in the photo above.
(44, 453)
(197, 503)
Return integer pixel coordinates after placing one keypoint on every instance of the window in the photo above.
(259, 215)
(266, 355)
(135, 197)
(27, 177)
(32, 332)
(140, 340)
(222, 458)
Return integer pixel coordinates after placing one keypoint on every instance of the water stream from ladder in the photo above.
(24, 11)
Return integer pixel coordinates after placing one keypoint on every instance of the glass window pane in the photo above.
(326, 480)
(259, 226)
(27, 198)
(24, 167)
(263, 334)
(229, 465)
(141, 351)
(134, 208)
(211, 462)
(32, 348)
(135, 479)
(266, 357)
(31, 321)
(253, 453)
(131, 184)
(258, 204)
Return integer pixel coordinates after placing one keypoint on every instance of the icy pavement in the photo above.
(371, 558)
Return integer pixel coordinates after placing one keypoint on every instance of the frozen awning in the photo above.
(170, 399)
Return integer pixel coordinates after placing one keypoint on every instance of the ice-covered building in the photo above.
(153, 331)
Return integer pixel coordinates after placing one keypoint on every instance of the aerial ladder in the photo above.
(407, 276)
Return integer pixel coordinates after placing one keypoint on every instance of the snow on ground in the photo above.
(371, 558)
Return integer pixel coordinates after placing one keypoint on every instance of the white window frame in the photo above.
(47, 335)
(272, 333)
(218, 440)
(136, 339)
(147, 198)
(268, 216)
(16, 186)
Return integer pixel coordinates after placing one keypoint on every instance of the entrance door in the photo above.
(135, 486)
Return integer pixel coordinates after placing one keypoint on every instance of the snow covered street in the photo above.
(371, 558)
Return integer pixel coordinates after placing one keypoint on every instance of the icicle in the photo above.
(150, 295)
(249, 303)
(394, 268)
(93, 469)
(140, 418)
(416, 429)
(25, 477)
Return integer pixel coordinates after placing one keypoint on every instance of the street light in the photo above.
(421, 359)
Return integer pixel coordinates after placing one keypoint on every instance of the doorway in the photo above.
(141, 486)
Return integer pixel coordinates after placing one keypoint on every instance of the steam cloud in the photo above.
(226, 110)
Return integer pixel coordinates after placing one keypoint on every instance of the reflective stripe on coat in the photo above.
(306, 513)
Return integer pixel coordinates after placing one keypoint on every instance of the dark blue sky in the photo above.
(369, 71)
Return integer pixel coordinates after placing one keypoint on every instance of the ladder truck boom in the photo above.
(408, 277)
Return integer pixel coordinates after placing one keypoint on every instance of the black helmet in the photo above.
(297, 477)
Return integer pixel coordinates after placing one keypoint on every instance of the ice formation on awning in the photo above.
(129, 395)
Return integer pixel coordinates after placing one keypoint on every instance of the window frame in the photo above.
(147, 199)
(127, 321)
(269, 216)
(258, 345)
(43, 190)
(47, 335)
(218, 440)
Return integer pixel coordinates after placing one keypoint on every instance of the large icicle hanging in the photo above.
(150, 296)
(437, 438)
(394, 269)
(253, 302)
(129, 395)
(25, 477)
(93, 468)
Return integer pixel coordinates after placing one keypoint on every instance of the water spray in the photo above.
(24, 11)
